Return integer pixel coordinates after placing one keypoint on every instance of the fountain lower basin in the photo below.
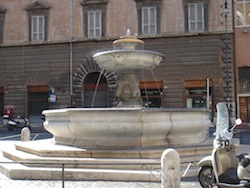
(126, 127)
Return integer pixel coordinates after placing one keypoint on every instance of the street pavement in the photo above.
(9, 183)
(6, 182)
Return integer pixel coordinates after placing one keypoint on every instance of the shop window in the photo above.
(95, 91)
(197, 93)
(37, 101)
(151, 94)
(244, 79)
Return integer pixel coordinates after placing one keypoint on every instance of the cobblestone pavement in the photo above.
(9, 183)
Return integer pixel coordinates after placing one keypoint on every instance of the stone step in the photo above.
(47, 160)
(19, 171)
(45, 148)
(98, 163)
(77, 162)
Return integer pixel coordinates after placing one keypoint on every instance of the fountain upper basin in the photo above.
(122, 60)
(126, 127)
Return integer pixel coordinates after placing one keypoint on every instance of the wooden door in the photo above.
(245, 109)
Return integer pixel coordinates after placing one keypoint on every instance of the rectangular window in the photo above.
(94, 24)
(151, 94)
(196, 17)
(197, 92)
(242, 13)
(244, 79)
(38, 28)
(149, 20)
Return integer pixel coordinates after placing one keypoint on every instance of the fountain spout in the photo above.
(128, 32)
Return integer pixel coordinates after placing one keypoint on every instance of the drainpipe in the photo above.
(208, 93)
(71, 51)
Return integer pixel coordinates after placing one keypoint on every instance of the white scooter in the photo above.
(223, 168)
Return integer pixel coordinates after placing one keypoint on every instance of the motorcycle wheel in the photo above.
(206, 177)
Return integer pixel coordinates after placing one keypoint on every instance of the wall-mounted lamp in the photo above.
(244, 31)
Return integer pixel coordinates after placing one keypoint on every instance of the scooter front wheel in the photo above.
(206, 177)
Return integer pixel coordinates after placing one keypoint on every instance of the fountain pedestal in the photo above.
(128, 90)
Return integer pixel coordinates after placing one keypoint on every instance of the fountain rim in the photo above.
(128, 51)
(122, 109)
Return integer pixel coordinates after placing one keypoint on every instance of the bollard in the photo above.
(170, 169)
(25, 134)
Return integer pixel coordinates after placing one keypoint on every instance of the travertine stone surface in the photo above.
(126, 127)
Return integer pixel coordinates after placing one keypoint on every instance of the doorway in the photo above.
(37, 102)
(95, 92)
(244, 107)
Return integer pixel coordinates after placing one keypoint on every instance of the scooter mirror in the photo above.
(238, 121)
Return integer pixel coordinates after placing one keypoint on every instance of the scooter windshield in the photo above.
(222, 118)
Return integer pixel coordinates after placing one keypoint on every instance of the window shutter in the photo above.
(186, 17)
(1, 31)
(205, 16)
(45, 27)
(140, 21)
(103, 24)
(30, 28)
(86, 24)
(158, 20)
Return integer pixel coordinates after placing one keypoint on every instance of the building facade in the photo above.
(46, 50)
(242, 60)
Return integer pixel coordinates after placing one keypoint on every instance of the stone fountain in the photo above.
(128, 125)
(119, 143)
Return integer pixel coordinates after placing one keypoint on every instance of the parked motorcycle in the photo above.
(17, 123)
(223, 168)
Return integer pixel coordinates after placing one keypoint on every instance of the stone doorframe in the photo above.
(89, 66)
